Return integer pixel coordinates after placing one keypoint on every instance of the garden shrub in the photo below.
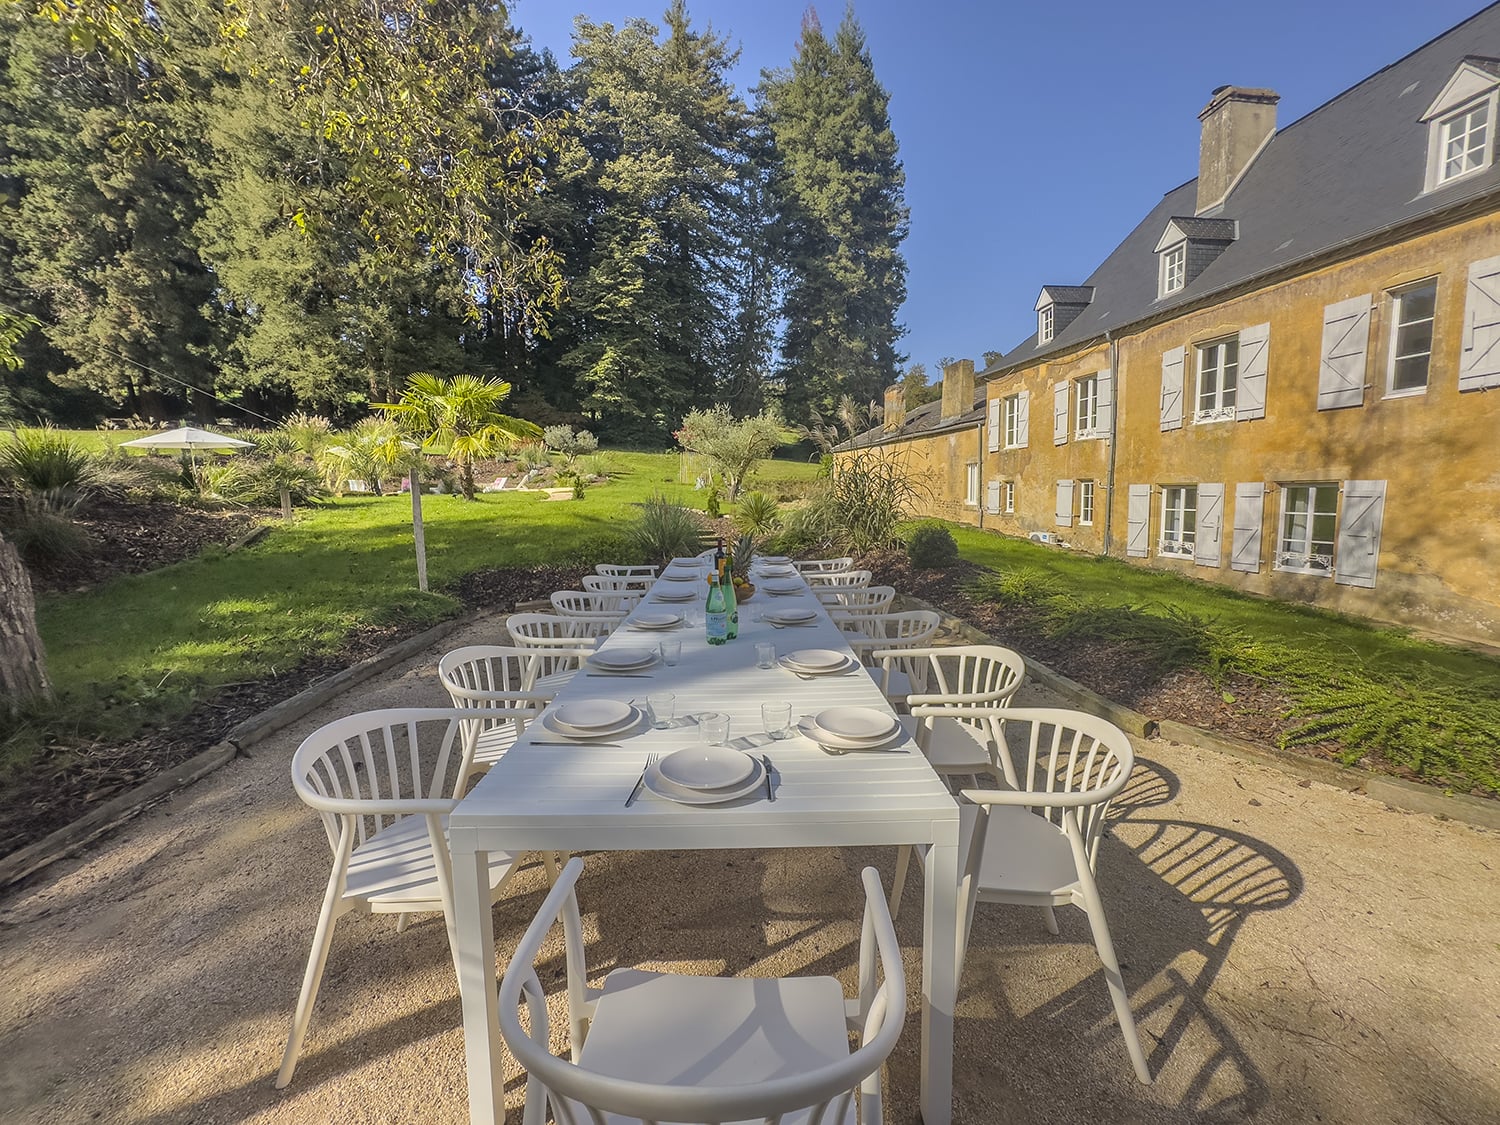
(932, 547)
(1022, 585)
(47, 470)
(859, 507)
(757, 514)
(664, 530)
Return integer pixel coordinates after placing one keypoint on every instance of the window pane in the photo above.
(1418, 304)
(1409, 373)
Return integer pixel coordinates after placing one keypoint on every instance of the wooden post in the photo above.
(23, 663)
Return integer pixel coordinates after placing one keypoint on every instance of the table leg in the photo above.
(476, 987)
(940, 961)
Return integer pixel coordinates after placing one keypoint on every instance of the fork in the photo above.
(651, 760)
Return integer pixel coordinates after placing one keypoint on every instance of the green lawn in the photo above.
(137, 649)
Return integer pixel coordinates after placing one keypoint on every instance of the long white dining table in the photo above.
(554, 797)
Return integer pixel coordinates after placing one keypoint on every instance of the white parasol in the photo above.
(189, 438)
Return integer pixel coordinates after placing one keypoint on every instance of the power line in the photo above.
(184, 383)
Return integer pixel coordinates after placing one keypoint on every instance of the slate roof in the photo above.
(925, 419)
(1350, 169)
(1193, 226)
(1069, 294)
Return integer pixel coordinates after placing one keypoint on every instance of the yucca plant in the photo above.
(49, 471)
(664, 530)
(757, 513)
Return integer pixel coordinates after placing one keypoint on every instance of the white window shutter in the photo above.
(992, 498)
(1210, 527)
(994, 426)
(1249, 511)
(1479, 356)
(1362, 512)
(1106, 384)
(1171, 388)
(1064, 503)
(1060, 413)
(1250, 401)
(1138, 522)
(1023, 419)
(1346, 340)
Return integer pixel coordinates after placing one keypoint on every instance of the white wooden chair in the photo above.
(823, 580)
(553, 632)
(585, 603)
(601, 584)
(620, 570)
(663, 1047)
(887, 633)
(844, 602)
(821, 566)
(501, 682)
(958, 676)
(1035, 842)
(383, 783)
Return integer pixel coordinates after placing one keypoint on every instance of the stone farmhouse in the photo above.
(1286, 378)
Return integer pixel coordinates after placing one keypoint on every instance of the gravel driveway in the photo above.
(1295, 953)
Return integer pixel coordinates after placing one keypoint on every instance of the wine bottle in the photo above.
(719, 558)
(716, 613)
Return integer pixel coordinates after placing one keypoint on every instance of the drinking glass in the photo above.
(671, 652)
(765, 655)
(777, 718)
(663, 706)
(713, 726)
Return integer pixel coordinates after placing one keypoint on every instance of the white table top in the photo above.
(540, 797)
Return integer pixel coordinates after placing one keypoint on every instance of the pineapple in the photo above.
(742, 555)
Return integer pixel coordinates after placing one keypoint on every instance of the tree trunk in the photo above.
(418, 534)
(23, 664)
(286, 503)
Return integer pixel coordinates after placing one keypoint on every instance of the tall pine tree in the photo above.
(845, 216)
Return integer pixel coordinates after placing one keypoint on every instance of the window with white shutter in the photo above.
(992, 498)
(1023, 423)
(1309, 528)
(1064, 503)
(1138, 522)
(1359, 532)
(994, 425)
(1008, 492)
(1105, 423)
(1207, 546)
(1249, 512)
(1171, 388)
(1254, 347)
(1479, 354)
(1346, 341)
(1060, 413)
(1179, 520)
(971, 484)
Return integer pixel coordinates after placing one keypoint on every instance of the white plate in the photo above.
(682, 578)
(552, 723)
(810, 730)
(816, 659)
(664, 788)
(778, 570)
(677, 596)
(778, 560)
(706, 767)
(656, 621)
(691, 561)
(593, 714)
(782, 586)
(838, 670)
(790, 616)
(856, 724)
(622, 659)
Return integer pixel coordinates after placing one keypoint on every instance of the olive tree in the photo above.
(732, 446)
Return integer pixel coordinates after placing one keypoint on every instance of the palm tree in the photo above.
(461, 413)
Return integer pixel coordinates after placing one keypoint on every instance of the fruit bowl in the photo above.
(743, 591)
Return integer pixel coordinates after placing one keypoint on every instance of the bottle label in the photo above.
(718, 627)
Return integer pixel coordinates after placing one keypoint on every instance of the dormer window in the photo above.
(1173, 268)
(1187, 247)
(1461, 123)
(1044, 323)
(1057, 307)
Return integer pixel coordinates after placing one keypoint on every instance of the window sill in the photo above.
(1085, 523)
(1088, 435)
(1008, 448)
(1460, 178)
(1209, 417)
(1414, 392)
(1175, 551)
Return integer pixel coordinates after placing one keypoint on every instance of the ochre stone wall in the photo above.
(1438, 451)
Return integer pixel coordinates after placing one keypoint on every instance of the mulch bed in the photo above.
(1240, 706)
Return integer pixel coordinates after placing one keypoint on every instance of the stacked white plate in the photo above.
(677, 576)
(817, 661)
(791, 616)
(656, 620)
(622, 659)
(781, 586)
(850, 728)
(692, 562)
(781, 559)
(592, 718)
(705, 775)
(675, 595)
(777, 570)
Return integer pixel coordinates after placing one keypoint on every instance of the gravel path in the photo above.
(1295, 954)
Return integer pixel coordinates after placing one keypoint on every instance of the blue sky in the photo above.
(1036, 136)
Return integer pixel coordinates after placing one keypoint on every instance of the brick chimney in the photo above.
(895, 408)
(958, 388)
(1236, 122)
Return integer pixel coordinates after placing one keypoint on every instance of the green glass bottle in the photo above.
(716, 613)
(727, 585)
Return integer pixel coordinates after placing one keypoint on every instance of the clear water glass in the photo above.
(765, 655)
(671, 651)
(663, 706)
(777, 718)
(713, 727)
